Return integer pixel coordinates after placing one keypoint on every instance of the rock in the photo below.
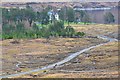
(15, 42)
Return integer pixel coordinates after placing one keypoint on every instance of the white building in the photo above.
(56, 16)
(52, 15)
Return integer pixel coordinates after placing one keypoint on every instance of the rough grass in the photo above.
(41, 51)
(106, 65)
(97, 29)
(47, 51)
(83, 75)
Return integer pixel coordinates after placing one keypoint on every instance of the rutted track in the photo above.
(63, 61)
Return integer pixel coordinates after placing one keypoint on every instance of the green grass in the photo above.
(65, 24)
(1, 36)
(73, 23)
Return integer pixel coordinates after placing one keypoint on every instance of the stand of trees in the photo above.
(14, 24)
(109, 18)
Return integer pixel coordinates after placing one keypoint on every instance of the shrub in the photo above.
(69, 31)
(56, 26)
(80, 34)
